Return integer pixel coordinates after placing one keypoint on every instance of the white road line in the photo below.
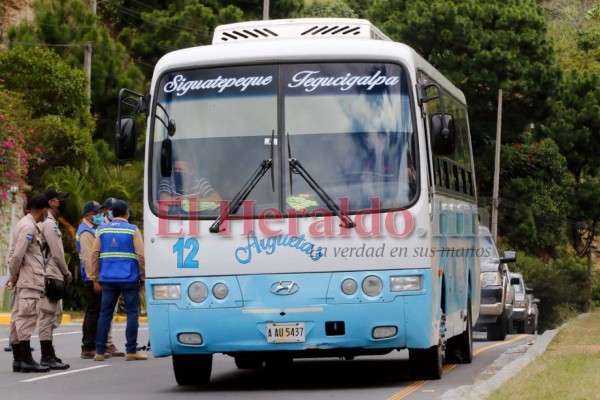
(63, 373)
(76, 333)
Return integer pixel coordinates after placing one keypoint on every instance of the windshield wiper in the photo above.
(297, 168)
(245, 190)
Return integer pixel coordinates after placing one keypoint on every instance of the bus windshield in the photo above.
(349, 125)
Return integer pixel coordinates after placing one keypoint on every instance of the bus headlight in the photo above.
(220, 291)
(404, 283)
(198, 292)
(349, 286)
(372, 285)
(166, 292)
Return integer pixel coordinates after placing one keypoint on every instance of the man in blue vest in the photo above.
(118, 269)
(93, 216)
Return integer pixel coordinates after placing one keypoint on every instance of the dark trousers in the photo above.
(92, 315)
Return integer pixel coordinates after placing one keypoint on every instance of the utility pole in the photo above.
(87, 65)
(497, 169)
(265, 9)
(588, 294)
(87, 55)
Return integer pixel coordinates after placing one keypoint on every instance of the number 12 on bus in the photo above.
(316, 129)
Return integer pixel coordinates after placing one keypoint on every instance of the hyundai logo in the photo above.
(284, 288)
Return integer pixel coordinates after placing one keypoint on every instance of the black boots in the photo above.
(16, 350)
(27, 362)
(49, 358)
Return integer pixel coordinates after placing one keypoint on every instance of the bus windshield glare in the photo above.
(349, 125)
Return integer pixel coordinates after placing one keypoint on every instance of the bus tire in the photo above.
(192, 369)
(427, 363)
(499, 329)
(459, 349)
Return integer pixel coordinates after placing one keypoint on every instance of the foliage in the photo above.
(68, 25)
(481, 47)
(535, 187)
(322, 9)
(56, 90)
(575, 126)
(558, 283)
(58, 124)
(574, 27)
(16, 158)
(172, 25)
(575, 122)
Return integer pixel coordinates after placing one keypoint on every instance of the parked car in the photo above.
(523, 304)
(494, 315)
(533, 315)
(509, 299)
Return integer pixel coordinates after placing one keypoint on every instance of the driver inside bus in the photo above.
(185, 184)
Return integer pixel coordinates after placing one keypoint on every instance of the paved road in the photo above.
(376, 378)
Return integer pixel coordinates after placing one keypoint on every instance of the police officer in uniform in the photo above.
(58, 273)
(26, 266)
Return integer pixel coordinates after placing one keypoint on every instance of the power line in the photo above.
(45, 44)
(134, 14)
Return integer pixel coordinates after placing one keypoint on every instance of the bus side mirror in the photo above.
(125, 142)
(509, 257)
(166, 158)
(443, 136)
(515, 281)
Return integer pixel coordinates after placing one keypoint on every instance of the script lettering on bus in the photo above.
(310, 82)
(268, 245)
(181, 85)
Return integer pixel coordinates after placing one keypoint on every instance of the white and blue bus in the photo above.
(309, 192)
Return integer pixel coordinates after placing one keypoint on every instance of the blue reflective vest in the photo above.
(118, 261)
(83, 227)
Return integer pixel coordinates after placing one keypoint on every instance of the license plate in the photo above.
(293, 332)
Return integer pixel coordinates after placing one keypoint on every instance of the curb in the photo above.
(482, 389)
(67, 319)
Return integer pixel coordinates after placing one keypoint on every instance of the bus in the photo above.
(309, 191)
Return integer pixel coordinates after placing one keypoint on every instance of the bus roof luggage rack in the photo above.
(298, 28)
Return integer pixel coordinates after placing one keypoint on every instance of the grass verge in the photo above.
(568, 369)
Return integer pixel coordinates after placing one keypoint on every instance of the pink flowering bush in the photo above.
(15, 160)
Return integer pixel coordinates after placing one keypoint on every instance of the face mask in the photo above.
(98, 219)
(62, 207)
(110, 215)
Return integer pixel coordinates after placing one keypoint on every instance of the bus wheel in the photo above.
(427, 363)
(192, 369)
(248, 362)
(459, 349)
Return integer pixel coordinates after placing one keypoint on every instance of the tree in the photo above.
(17, 154)
(151, 29)
(575, 126)
(322, 9)
(482, 47)
(574, 27)
(535, 202)
(50, 85)
(67, 25)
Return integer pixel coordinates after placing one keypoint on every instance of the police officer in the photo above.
(57, 273)
(26, 266)
(118, 265)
